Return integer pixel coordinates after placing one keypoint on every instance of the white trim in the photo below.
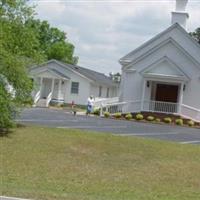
(180, 98)
(38, 74)
(158, 46)
(125, 59)
(172, 64)
(143, 93)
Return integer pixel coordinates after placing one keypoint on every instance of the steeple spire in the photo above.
(180, 16)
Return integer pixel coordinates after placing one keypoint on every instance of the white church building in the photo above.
(163, 75)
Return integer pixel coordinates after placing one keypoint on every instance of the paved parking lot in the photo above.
(63, 119)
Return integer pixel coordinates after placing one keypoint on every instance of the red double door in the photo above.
(167, 93)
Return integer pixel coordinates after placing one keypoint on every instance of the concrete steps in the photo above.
(41, 103)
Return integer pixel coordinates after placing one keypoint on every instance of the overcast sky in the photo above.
(103, 31)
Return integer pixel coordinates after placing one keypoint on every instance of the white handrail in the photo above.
(190, 107)
(98, 102)
(37, 97)
(152, 106)
(190, 112)
(48, 99)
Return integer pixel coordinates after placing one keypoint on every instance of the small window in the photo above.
(100, 91)
(107, 93)
(75, 88)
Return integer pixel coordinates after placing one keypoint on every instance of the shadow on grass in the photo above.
(5, 132)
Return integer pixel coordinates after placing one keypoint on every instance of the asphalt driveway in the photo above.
(63, 119)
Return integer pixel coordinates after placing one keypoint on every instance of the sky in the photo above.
(103, 31)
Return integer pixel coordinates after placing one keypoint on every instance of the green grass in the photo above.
(47, 163)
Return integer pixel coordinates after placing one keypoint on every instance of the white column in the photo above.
(52, 85)
(41, 81)
(180, 98)
(143, 94)
(59, 88)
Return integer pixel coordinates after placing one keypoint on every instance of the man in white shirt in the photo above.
(90, 103)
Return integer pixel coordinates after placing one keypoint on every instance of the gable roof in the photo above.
(165, 68)
(92, 75)
(127, 59)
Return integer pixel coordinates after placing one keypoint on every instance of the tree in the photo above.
(196, 35)
(115, 77)
(53, 42)
(19, 47)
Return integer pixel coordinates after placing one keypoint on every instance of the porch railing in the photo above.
(152, 106)
(160, 106)
(138, 106)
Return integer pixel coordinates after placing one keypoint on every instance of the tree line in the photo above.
(25, 41)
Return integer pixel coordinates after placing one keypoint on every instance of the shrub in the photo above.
(179, 122)
(157, 120)
(118, 115)
(106, 114)
(167, 120)
(7, 109)
(96, 111)
(150, 118)
(190, 123)
(128, 116)
(139, 117)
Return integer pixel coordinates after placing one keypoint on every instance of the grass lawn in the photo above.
(47, 163)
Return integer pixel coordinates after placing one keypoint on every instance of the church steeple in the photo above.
(180, 15)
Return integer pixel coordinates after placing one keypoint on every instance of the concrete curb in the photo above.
(11, 198)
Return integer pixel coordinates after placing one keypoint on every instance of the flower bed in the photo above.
(154, 118)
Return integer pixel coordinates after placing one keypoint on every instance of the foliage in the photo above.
(106, 114)
(128, 116)
(157, 120)
(196, 35)
(167, 120)
(139, 117)
(96, 111)
(19, 48)
(53, 42)
(190, 123)
(179, 122)
(115, 77)
(118, 115)
(5, 107)
(150, 118)
(25, 41)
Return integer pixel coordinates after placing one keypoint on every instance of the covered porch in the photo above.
(50, 87)
(164, 84)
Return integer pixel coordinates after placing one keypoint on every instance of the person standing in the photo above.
(90, 103)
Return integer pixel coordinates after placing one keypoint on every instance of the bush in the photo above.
(139, 117)
(96, 111)
(157, 120)
(118, 115)
(7, 111)
(128, 116)
(190, 123)
(168, 120)
(179, 122)
(106, 114)
(150, 118)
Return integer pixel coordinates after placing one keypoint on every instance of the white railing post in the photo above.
(180, 98)
(143, 95)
